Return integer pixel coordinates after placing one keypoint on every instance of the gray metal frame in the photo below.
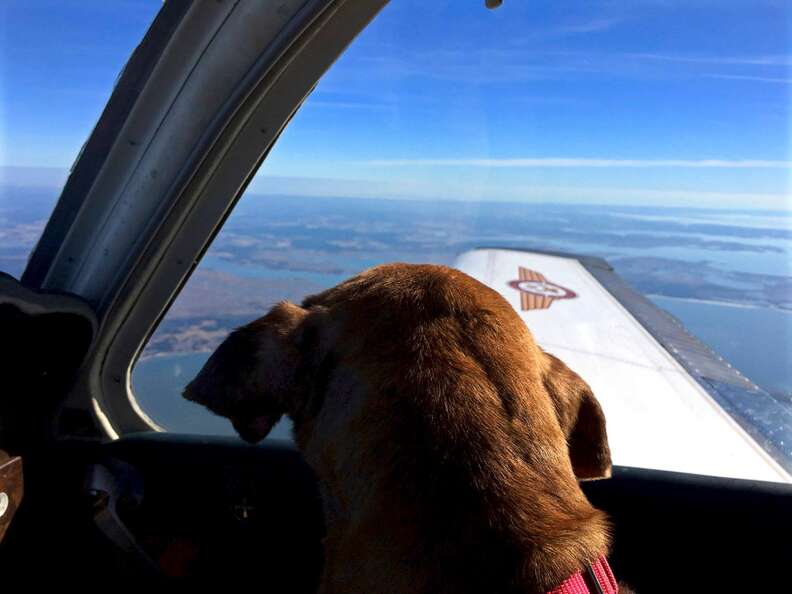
(187, 128)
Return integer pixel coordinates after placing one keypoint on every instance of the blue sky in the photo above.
(645, 102)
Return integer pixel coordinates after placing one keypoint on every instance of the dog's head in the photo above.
(581, 419)
(252, 376)
(409, 380)
(270, 367)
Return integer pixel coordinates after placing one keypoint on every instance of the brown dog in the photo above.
(447, 443)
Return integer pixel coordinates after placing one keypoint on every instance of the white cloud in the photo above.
(596, 25)
(582, 162)
(593, 26)
(764, 79)
(406, 189)
(354, 105)
(767, 60)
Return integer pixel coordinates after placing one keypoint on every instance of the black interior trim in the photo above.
(45, 336)
(252, 514)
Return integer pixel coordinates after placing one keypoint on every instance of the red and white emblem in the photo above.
(536, 292)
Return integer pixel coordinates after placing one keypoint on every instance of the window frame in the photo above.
(166, 234)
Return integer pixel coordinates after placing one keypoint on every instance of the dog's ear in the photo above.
(252, 376)
(581, 418)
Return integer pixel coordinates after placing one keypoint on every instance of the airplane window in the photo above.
(653, 135)
(58, 64)
(639, 133)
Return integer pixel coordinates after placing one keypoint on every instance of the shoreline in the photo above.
(733, 304)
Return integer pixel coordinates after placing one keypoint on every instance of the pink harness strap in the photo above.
(597, 578)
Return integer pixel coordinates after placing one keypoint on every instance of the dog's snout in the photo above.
(255, 429)
(189, 392)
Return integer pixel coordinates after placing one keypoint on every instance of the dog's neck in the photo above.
(597, 578)
(542, 555)
(564, 548)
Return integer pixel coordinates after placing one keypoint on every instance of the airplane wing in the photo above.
(670, 401)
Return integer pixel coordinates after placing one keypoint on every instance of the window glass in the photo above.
(654, 135)
(58, 63)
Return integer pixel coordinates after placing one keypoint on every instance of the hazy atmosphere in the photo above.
(653, 134)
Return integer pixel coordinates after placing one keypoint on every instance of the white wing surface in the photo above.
(662, 410)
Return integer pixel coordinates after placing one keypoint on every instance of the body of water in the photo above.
(755, 340)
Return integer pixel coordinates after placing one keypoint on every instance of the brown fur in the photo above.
(447, 443)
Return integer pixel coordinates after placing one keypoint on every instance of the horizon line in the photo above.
(539, 162)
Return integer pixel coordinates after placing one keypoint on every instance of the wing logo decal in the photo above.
(536, 292)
